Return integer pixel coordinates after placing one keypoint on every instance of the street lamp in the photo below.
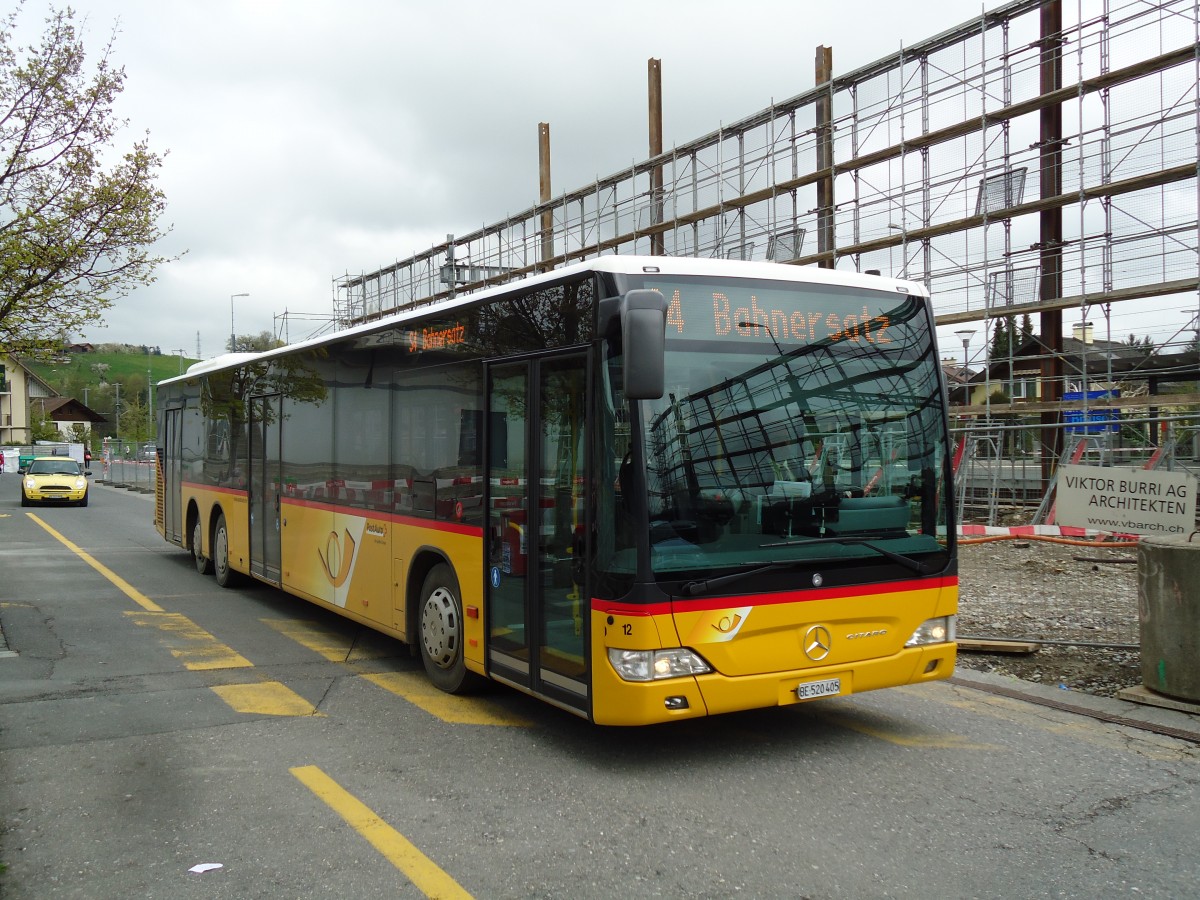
(150, 387)
(232, 335)
(965, 336)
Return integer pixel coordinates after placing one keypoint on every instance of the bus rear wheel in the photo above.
(203, 564)
(440, 626)
(226, 577)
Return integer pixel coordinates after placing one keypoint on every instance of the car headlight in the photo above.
(80, 484)
(932, 631)
(30, 483)
(655, 665)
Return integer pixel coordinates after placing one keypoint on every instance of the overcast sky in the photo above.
(310, 139)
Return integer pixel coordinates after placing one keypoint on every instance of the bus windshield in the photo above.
(800, 423)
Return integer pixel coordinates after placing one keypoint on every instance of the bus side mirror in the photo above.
(643, 338)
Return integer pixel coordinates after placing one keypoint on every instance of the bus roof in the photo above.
(630, 265)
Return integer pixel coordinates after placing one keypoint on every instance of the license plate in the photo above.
(811, 690)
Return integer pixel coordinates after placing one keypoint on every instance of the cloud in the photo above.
(307, 140)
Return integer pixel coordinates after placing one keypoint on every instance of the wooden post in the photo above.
(654, 92)
(1051, 228)
(824, 128)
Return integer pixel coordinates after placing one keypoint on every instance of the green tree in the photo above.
(1144, 343)
(1008, 336)
(77, 215)
(135, 426)
(1026, 330)
(1001, 340)
(254, 343)
(73, 383)
(41, 426)
(133, 386)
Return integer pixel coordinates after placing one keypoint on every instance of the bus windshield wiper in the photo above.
(913, 565)
(692, 588)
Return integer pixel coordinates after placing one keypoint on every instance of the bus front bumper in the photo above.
(618, 702)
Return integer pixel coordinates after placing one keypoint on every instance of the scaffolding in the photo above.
(1039, 157)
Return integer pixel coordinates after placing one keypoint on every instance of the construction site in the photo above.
(1034, 167)
(1035, 164)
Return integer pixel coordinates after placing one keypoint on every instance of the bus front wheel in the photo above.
(441, 630)
(203, 564)
(226, 577)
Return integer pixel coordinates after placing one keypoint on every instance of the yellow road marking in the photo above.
(924, 741)
(267, 698)
(395, 847)
(195, 648)
(334, 647)
(122, 585)
(417, 690)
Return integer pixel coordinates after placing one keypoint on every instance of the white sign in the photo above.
(1126, 501)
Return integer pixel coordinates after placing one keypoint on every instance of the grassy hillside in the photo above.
(91, 377)
(120, 366)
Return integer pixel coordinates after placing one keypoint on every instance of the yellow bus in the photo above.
(639, 488)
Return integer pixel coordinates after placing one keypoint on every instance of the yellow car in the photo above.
(54, 479)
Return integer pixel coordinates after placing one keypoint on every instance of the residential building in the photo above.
(18, 386)
(66, 413)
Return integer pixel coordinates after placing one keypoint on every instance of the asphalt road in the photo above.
(151, 721)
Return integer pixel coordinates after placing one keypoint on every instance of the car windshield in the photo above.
(53, 467)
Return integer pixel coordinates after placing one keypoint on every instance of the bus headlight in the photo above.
(932, 631)
(654, 665)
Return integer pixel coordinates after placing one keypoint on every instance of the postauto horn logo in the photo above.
(343, 547)
(338, 561)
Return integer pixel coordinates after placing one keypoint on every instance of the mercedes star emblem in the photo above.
(817, 643)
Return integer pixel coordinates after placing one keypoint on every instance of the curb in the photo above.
(1171, 722)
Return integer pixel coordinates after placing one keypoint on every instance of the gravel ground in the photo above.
(1056, 592)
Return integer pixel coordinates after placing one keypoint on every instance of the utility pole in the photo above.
(232, 335)
(150, 390)
(547, 218)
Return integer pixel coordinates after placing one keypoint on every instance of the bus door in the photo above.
(171, 462)
(266, 415)
(537, 623)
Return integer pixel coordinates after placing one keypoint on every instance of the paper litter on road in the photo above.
(201, 868)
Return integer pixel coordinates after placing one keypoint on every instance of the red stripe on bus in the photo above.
(703, 604)
(395, 518)
(238, 492)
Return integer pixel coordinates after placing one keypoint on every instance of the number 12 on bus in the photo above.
(641, 489)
